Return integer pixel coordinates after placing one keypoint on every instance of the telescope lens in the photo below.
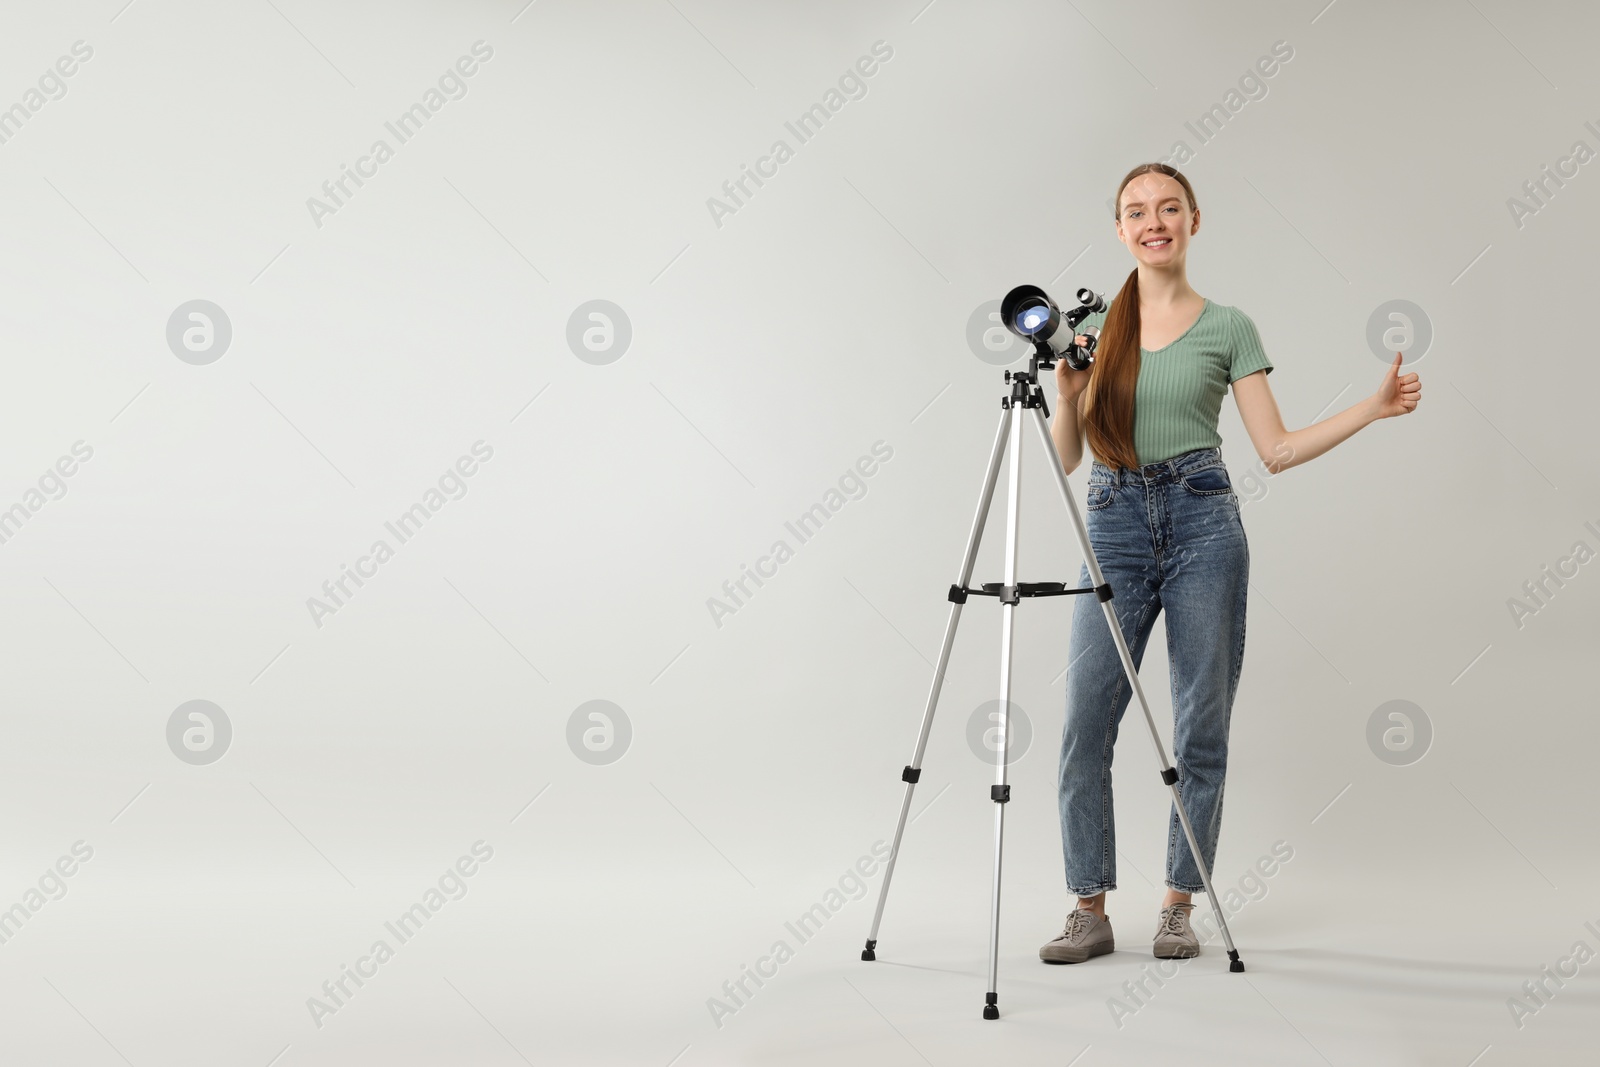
(1032, 317)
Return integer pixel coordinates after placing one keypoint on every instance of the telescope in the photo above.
(1028, 312)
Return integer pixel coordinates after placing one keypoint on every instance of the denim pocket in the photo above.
(1100, 496)
(1212, 481)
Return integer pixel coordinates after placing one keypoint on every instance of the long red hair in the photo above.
(1108, 399)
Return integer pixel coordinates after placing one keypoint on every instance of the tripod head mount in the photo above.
(1026, 391)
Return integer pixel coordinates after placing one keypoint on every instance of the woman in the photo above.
(1164, 522)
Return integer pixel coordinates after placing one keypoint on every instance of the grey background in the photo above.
(767, 356)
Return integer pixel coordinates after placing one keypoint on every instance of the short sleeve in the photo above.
(1246, 354)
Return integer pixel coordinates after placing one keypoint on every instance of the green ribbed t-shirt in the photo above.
(1179, 393)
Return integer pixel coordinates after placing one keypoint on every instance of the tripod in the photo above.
(1026, 394)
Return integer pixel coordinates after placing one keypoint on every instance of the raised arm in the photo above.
(1281, 448)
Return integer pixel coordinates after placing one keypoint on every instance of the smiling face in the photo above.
(1156, 221)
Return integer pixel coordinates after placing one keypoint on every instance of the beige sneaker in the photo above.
(1175, 938)
(1086, 935)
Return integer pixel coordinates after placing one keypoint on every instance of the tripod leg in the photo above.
(1000, 792)
(1103, 590)
(913, 771)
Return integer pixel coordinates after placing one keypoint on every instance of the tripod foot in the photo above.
(989, 1009)
(867, 953)
(1237, 965)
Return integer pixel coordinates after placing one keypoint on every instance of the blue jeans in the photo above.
(1167, 535)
